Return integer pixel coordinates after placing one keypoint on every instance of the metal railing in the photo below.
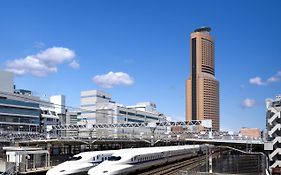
(11, 170)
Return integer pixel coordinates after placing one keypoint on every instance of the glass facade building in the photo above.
(19, 116)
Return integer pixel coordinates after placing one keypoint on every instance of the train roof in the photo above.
(131, 152)
(90, 154)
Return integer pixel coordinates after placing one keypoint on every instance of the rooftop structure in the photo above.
(203, 29)
(8, 78)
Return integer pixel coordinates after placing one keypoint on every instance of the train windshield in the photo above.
(114, 158)
(74, 158)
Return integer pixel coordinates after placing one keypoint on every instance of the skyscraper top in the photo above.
(203, 29)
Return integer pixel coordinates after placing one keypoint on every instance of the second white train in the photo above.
(129, 161)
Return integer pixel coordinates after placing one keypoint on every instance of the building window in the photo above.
(122, 112)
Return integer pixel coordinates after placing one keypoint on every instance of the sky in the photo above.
(139, 51)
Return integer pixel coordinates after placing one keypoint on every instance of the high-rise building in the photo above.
(202, 88)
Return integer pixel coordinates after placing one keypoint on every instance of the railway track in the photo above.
(175, 167)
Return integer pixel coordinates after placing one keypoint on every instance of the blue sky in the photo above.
(148, 41)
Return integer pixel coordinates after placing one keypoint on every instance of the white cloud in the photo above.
(256, 81)
(273, 79)
(248, 103)
(42, 63)
(74, 64)
(113, 79)
(56, 55)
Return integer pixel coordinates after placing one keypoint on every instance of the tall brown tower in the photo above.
(202, 88)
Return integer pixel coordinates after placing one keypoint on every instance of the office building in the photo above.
(18, 116)
(71, 118)
(48, 117)
(21, 111)
(250, 132)
(98, 107)
(59, 103)
(92, 102)
(202, 88)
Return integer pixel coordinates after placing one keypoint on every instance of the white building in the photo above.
(48, 117)
(90, 102)
(59, 103)
(98, 107)
(71, 118)
(6, 82)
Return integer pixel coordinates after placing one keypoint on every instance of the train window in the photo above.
(94, 158)
(74, 158)
(114, 158)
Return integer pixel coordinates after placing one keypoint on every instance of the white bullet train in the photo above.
(80, 164)
(131, 161)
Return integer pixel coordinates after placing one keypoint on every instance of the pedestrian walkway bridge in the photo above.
(130, 133)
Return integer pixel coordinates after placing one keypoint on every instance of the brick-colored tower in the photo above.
(202, 88)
